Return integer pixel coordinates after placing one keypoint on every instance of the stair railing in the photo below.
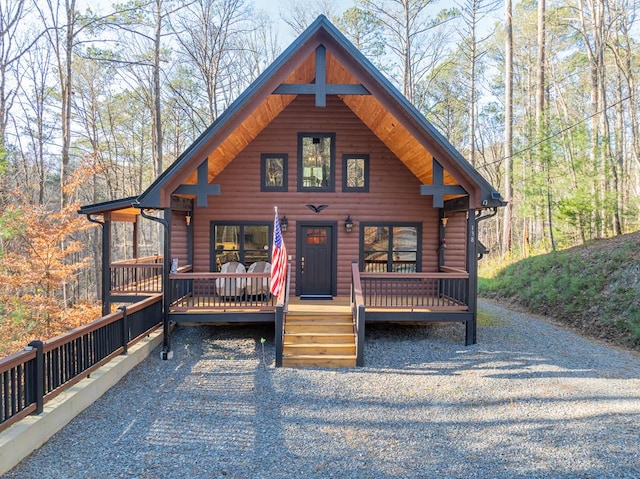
(357, 312)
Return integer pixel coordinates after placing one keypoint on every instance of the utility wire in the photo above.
(530, 147)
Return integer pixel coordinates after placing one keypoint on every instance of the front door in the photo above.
(316, 264)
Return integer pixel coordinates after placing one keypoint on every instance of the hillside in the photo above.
(593, 288)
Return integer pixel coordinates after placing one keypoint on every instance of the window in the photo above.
(316, 160)
(391, 248)
(244, 242)
(273, 172)
(355, 173)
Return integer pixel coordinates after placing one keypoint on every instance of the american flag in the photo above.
(278, 259)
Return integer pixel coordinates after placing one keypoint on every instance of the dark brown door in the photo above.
(316, 261)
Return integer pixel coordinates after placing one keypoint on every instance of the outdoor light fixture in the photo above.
(444, 221)
(284, 223)
(348, 224)
(187, 218)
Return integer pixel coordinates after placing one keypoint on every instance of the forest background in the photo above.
(96, 101)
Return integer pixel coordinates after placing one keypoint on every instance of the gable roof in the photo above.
(361, 86)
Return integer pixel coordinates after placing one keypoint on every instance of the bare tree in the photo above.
(211, 34)
(507, 231)
(300, 14)
(11, 14)
(34, 124)
(472, 12)
(411, 36)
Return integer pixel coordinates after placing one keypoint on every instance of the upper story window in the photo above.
(355, 173)
(316, 161)
(273, 172)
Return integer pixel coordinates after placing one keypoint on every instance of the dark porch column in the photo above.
(106, 264)
(166, 290)
(472, 268)
(135, 237)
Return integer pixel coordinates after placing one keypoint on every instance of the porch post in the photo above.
(135, 238)
(166, 290)
(106, 264)
(472, 268)
(441, 238)
(165, 221)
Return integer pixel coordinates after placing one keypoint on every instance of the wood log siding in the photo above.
(456, 236)
(178, 237)
(394, 192)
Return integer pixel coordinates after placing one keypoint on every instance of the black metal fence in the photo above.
(43, 370)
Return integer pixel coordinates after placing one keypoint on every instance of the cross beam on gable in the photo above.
(321, 88)
(438, 189)
(202, 189)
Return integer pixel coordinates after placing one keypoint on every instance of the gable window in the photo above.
(273, 172)
(391, 248)
(316, 161)
(245, 243)
(355, 173)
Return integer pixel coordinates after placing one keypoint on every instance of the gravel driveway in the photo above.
(529, 400)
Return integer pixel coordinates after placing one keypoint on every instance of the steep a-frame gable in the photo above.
(323, 62)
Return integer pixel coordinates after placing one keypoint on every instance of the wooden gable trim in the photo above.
(202, 189)
(438, 189)
(321, 88)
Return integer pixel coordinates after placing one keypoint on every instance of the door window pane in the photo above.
(317, 236)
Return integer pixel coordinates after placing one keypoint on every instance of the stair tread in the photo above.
(320, 345)
(319, 356)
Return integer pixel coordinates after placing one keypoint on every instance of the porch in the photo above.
(307, 332)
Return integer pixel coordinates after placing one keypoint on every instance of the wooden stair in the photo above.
(323, 339)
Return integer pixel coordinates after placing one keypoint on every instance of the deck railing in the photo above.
(138, 276)
(32, 377)
(193, 291)
(432, 291)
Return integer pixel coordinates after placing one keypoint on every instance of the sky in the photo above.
(274, 7)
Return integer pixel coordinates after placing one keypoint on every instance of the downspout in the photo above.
(473, 219)
(166, 352)
(479, 218)
(106, 261)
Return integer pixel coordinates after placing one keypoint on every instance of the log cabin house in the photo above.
(378, 211)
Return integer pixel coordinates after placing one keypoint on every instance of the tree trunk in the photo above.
(157, 110)
(508, 131)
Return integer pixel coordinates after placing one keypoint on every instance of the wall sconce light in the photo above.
(444, 221)
(284, 223)
(348, 224)
(187, 218)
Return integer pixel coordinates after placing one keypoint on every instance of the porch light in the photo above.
(187, 218)
(444, 221)
(284, 223)
(348, 224)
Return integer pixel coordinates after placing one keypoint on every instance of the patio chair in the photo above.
(231, 287)
(258, 286)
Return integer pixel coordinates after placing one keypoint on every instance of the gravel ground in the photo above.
(530, 400)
